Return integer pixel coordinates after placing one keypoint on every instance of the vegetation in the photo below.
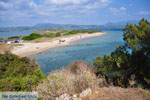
(118, 93)
(34, 36)
(130, 62)
(1, 39)
(58, 34)
(78, 81)
(80, 31)
(73, 79)
(14, 37)
(18, 73)
(128, 65)
(51, 35)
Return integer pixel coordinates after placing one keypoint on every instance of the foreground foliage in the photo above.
(73, 79)
(129, 65)
(18, 73)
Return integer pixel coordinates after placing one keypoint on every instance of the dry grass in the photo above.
(117, 93)
(73, 79)
(79, 76)
(5, 48)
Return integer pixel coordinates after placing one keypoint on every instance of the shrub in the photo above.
(1, 39)
(32, 36)
(14, 37)
(58, 34)
(80, 31)
(75, 78)
(71, 32)
(50, 35)
(18, 73)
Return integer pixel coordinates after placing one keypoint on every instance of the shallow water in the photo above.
(61, 56)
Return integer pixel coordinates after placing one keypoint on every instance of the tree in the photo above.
(137, 38)
(133, 58)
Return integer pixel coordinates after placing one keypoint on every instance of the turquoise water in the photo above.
(101, 45)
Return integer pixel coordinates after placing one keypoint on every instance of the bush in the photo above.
(58, 34)
(1, 39)
(80, 31)
(18, 73)
(14, 37)
(32, 36)
(75, 78)
(71, 32)
(50, 35)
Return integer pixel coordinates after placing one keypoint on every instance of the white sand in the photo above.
(32, 48)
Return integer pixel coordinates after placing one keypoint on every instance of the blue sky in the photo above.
(82, 12)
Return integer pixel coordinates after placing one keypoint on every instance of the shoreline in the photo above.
(32, 48)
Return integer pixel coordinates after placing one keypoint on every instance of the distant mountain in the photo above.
(122, 23)
(53, 26)
(45, 24)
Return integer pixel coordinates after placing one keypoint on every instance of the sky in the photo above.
(80, 12)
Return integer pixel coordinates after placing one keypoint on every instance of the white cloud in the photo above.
(29, 9)
(123, 8)
(4, 5)
(32, 4)
(74, 1)
(66, 1)
(144, 12)
(120, 11)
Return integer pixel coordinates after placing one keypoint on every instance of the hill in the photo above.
(121, 23)
(45, 24)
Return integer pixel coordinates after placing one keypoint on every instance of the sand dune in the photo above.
(32, 48)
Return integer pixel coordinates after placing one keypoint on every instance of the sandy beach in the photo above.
(32, 48)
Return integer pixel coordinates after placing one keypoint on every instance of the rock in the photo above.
(64, 97)
(86, 92)
(74, 96)
(67, 97)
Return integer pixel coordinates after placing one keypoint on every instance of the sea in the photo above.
(5, 34)
(56, 58)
